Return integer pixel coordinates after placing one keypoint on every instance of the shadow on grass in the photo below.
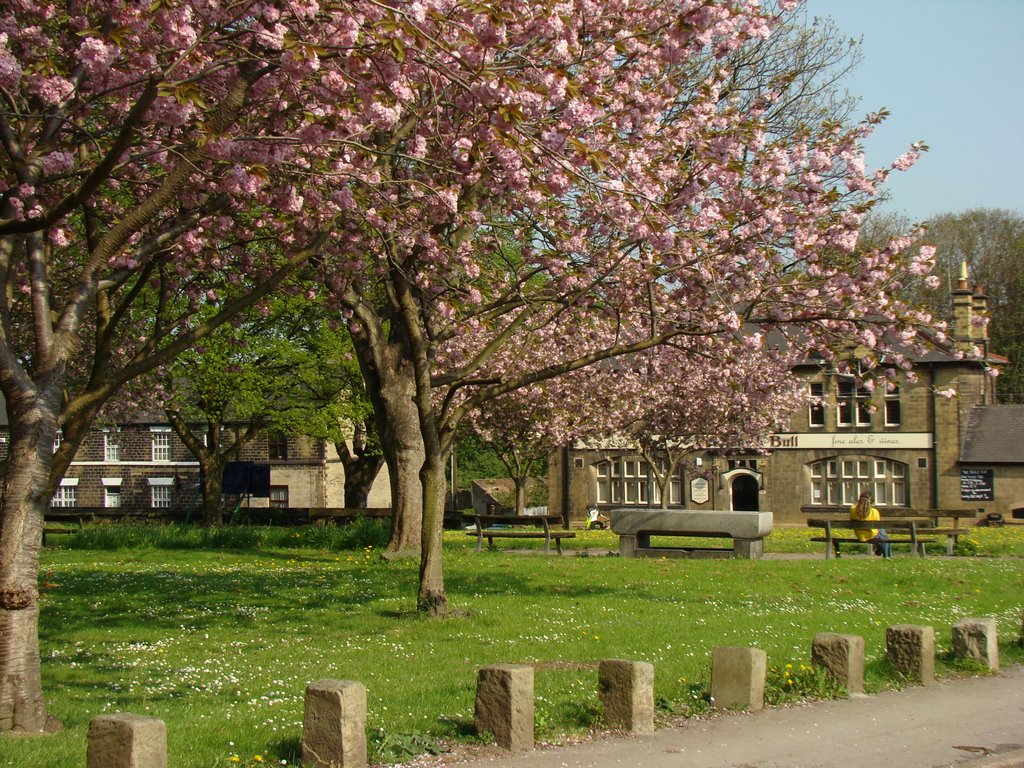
(289, 749)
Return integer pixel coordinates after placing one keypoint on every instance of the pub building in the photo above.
(911, 447)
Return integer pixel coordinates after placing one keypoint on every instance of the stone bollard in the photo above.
(334, 725)
(737, 678)
(504, 705)
(842, 658)
(977, 639)
(910, 649)
(126, 741)
(626, 689)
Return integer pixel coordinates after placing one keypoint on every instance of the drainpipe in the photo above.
(935, 439)
(566, 468)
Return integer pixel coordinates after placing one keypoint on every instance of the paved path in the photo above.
(974, 722)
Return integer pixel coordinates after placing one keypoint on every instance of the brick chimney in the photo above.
(963, 312)
(979, 311)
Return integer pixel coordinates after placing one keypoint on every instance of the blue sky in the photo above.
(951, 73)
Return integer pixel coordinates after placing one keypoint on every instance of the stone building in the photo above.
(141, 464)
(913, 447)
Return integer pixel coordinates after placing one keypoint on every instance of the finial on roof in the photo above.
(962, 282)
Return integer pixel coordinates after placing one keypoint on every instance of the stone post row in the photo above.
(334, 725)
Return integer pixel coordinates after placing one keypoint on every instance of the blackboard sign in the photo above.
(977, 485)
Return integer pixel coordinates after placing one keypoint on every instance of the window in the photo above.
(58, 438)
(892, 407)
(750, 464)
(853, 404)
(65, 495)
(628, 480)
(161, 496)
(112, 497)
(161, 445)
(836, 483)
(634, 481)
(277, 446)
(816, 408)
(111, 447)
(675, 487)
(279, 497)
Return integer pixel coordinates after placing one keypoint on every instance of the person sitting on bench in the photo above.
(863, 510)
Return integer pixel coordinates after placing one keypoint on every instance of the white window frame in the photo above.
(816, 406)
(854, 399)
(66, 495)
(160, 444)
(893, 407)
(112, 497)
(160, 492)
(111, 447)
(841, 481)
(627, 480)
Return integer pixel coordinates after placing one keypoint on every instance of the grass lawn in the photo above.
(220, 643)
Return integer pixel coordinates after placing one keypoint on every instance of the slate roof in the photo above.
(994, 435)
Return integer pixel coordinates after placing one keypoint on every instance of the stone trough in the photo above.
(636, 526)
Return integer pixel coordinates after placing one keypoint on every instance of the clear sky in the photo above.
(951, 72)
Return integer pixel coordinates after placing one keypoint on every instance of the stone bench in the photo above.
(636, 526)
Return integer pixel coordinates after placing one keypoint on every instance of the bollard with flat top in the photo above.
(738, 677)
(626, 689)
(126, 741)
(334, 725)
(504, 705)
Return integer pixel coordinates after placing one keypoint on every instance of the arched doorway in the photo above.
(745, 493)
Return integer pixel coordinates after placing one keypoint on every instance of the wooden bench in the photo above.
(930, 522)
(912, 528)
(325, 515)
(953, 531)
(493, 527)
(68, 522)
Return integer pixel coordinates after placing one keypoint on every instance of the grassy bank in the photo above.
(220, 643)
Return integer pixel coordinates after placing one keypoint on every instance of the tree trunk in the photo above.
(213, 484)
(391, 386)
(405, 458)
(432, 598)
(360, 472)
(520, 484)
(361, 466)
(25, 500)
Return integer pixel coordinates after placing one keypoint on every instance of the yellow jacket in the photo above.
(868, 533)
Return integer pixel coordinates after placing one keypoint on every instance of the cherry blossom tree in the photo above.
(642, 208)
(154, 150)
(165, 166)
(719, 405)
